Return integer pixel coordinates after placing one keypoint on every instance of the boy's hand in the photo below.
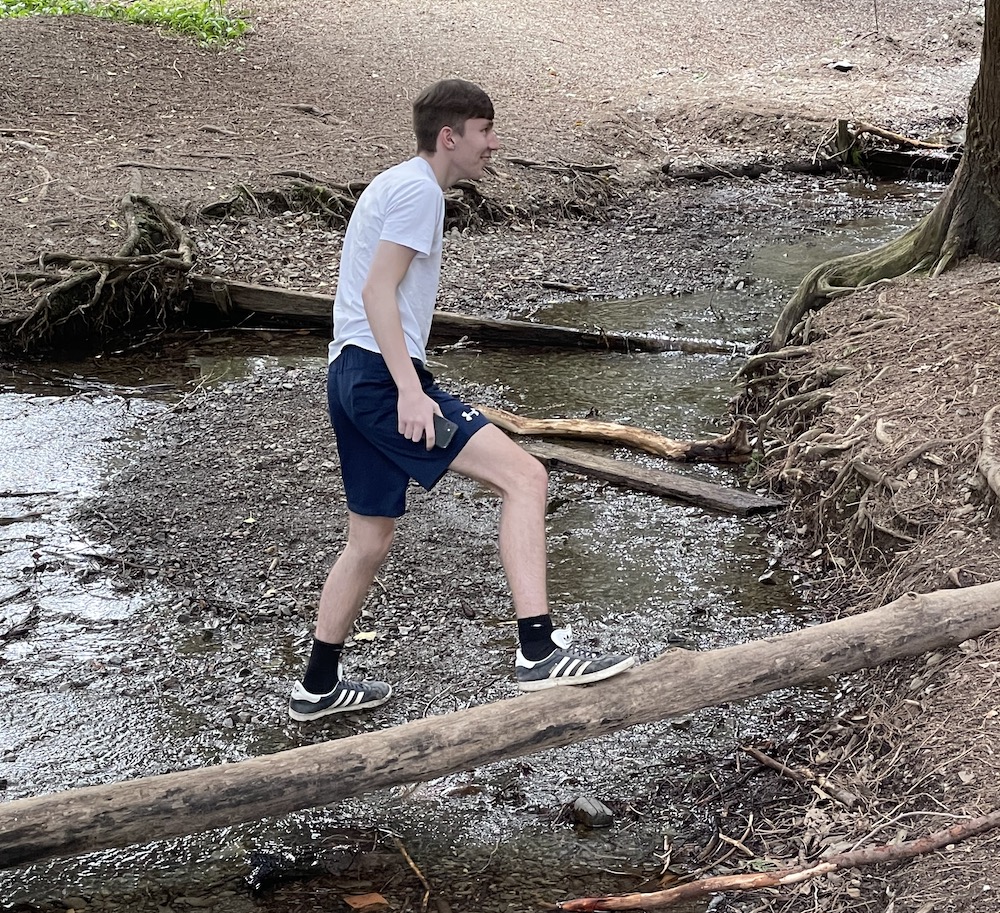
(415, 413)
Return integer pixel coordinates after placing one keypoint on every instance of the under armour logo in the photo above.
(470, 415)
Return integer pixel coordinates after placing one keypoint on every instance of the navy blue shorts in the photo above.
(376, 461)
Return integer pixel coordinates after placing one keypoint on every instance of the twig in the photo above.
(130, 164)
(891, 852)
(15, 131)
(10, 521)
(26, 494)
(805, 777)
(417, 872)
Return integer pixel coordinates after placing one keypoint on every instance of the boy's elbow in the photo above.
(369, 295)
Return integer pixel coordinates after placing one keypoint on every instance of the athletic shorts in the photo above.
(376, 461)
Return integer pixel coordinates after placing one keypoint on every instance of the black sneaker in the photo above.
(345, 697)
(565, 666)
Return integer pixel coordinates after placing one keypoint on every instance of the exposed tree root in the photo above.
(93, 298)
(886, 853)
(921, 248)
(587, 193)
(965, 220)
(989, 458)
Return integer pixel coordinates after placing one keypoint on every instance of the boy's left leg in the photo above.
(494, 460)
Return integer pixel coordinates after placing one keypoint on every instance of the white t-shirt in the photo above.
(404, 205)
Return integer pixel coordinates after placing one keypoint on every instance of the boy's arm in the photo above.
(415, 410)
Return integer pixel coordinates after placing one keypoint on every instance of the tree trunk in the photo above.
(965, 221)
(679, 682)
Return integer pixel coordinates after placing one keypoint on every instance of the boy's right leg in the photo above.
(323, 690)
(368, 542)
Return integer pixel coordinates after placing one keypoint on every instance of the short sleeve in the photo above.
(413, 216)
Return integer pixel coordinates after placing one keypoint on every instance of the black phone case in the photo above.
(444, 431)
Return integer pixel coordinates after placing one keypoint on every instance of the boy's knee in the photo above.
(534, 476)
(371, 537)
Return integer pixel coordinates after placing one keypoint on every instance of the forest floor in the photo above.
(91, 111)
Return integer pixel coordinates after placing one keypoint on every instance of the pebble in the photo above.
(592, 812)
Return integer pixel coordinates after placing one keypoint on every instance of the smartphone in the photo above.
(444, 431)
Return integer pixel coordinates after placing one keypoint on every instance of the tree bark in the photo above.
(965, 221)
(679, 682)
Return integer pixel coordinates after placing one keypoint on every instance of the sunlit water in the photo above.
(669, 574)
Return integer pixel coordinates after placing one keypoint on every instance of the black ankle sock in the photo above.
(535, 636)
(323, 670)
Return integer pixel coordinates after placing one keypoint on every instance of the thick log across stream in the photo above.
(678, 682)
(308, 308)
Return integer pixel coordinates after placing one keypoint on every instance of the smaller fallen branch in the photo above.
(22, 518)
(886, 853)
(560, 167)
(730, 448)
(898, 138)
(416, 871)
(804, 776)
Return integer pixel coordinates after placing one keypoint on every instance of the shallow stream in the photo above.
(498, 837)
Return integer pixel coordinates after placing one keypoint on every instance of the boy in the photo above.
(383, 404)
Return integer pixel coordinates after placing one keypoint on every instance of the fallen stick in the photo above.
(898, 138)
(889, 852)
(729, 448)
(679, 682)
(805, 777)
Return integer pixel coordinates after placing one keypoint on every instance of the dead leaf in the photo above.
(363, 901)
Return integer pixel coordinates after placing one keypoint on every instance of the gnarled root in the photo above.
(988, 463)
(86, 299)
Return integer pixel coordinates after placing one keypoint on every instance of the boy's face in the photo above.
(472, 149)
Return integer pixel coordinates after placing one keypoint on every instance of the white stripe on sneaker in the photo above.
(570, 667)
(343, 698)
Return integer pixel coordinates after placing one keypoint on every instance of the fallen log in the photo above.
(309, 308)
(707, 171)
(655, 481)
(730, 448)
(678, 682)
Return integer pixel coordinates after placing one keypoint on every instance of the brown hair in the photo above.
(448, 103)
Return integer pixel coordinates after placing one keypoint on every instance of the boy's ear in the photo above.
(446, 138)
